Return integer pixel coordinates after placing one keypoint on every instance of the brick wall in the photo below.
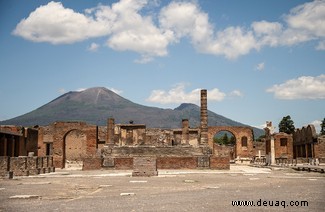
(92, 163)
(123, 163)
(219, 162)
(177, 162)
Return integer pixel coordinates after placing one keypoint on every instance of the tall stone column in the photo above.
(204, 118)
(185, 131)
(110, 132)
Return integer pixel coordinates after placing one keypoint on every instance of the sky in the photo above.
(259, 60)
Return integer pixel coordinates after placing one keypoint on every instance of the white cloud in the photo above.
(116, 90)
(81, 89)
(187, 19)
(305, 87)
(236, 93)
(58, 25)
(178, 95)
(128, 28)
(260, 66)
(317, 124)
(62, 91)
(321, 45)
(134, 32)
(303, 23)
(93, 47)
(308, 18)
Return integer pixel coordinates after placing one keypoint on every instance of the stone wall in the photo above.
(25, 166)
(4, 165)
(144, 166)
(31, 141)
(131, 151)
(320, 149)
(259, 146)
(307, 144)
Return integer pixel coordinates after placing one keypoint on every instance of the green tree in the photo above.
(225, 139)
(286, 125)
(232, 140)
(322, 125)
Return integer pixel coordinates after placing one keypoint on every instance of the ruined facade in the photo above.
(19, 152)
(307, 144)
(116, 145)
(18, 141)
(244, 147)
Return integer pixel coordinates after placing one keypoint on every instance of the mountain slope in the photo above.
(95, 105)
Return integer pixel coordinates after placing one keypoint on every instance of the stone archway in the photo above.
(244, 139)
(74, 149)
(227, 140)
(73, 140)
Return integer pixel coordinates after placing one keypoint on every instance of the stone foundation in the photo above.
(144, 167)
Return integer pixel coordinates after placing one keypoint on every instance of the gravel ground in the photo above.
(172, 190)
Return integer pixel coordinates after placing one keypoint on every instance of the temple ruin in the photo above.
(133, 146)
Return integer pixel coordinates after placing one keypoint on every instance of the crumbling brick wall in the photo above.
(283, 145)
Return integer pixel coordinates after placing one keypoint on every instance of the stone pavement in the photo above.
(171, 190)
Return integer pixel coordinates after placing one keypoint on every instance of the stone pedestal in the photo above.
(144, 166)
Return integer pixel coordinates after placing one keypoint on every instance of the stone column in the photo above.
(110, 132)
(272, 151)
(204, 118)
(185, 131)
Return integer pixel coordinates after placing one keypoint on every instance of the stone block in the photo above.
(108, 162)
(32, 165)
(18, 165)
(4, 166)
(144, 166)
(203, 162)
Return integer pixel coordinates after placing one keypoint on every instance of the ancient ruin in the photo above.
(78, 145)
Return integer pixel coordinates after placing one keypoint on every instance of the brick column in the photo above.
(204, 118)
(110, 131)
(185, 131)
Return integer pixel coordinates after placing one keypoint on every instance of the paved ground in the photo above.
(172, 190)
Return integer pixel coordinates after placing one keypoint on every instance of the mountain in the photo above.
(95, 105)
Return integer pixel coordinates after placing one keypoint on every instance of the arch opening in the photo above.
(228, 139)
(74, 149)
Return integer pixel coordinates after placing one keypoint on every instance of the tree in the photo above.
(286, 125)
(225, 139)
(322, 125)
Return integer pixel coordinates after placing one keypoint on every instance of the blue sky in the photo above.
(259, 60)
